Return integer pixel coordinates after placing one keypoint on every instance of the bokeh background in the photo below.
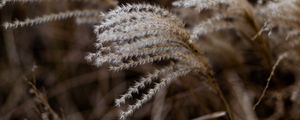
(43, 66)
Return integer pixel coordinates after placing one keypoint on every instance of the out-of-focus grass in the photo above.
(53, 54)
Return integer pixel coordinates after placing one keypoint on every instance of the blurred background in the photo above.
(43, 74)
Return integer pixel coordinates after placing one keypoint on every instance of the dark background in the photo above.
(52, 55)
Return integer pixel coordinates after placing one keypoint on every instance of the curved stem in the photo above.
(217, 88)
(212, 81)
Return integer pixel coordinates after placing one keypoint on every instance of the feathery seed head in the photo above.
(200, 5)
(134, 35)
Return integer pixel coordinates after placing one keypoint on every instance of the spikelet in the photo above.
(201, 5)
(51, 17)
(222, 20)
(283, 14)
(134, 35)
(4, 2)
(214, 24)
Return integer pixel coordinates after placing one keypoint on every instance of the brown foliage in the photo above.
(252, 48)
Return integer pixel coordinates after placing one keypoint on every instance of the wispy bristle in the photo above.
(135, 35)
(51, 17)
(200, 5)
(214, 24)
(142, 83)
(165, 81)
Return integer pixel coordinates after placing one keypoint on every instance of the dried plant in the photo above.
(201, 5)
(92, 14)
(280, 20)
(134, 35)
(244, 48)
(40, 98)
(47, 113)
(52, 17)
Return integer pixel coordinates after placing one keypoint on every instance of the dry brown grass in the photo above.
(252, 47)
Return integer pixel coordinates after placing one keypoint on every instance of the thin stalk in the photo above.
(212, 82)
(217, 88)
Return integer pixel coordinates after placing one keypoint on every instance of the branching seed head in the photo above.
(134, 35)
